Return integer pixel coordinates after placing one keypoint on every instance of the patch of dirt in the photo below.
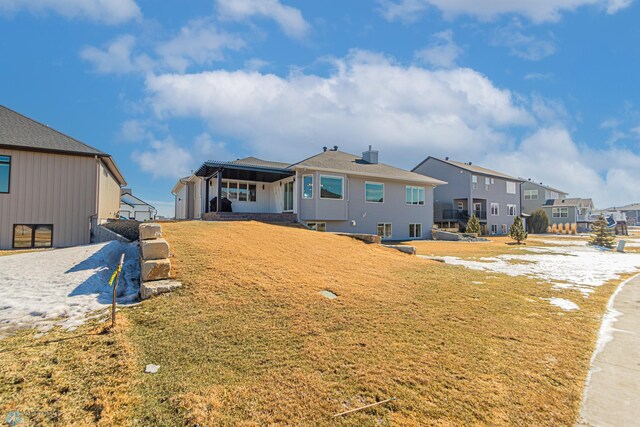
(125, 228)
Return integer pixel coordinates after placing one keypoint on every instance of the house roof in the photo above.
(131, 200)
(631, 207)
(471, 168)
(576, 201)
(22, 133)
(341, 162)
(254, 161)
(539, 184)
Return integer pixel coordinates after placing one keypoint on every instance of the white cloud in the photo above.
(538, 76)
(536, 10)
(117, 57)
(105, 11)
(550, 155)
(164, 159)
(520, 44)
(198, 42)
(288, 18)
(441, 52)
(135, 131)
(368, 99)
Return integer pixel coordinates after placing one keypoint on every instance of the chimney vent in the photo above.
(324, 148)
(470, 163)
(335, 148)
(370, 156)
(446, 158)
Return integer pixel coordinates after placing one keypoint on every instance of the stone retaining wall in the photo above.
(155, 266)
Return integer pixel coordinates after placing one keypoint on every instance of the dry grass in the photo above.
(497, 245)
(248, 340)
(75, 378)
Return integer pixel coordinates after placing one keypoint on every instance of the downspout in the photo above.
(97, 204)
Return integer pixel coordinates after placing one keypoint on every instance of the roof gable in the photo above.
(471, 168)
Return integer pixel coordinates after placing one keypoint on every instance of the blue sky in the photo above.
(542, 90)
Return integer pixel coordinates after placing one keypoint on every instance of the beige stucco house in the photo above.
(53, 189)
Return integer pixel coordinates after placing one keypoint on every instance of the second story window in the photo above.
(531, 194)
(374, 192)
(474, 181)
(487, 183)
(307, 187)
(511, 210)
(511, 187)
(495, 209)
(5, 173)
(414, 195)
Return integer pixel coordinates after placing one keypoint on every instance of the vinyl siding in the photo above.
(109, 191)
(53, 189)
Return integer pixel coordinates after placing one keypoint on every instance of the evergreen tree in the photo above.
(538, 223)
(601, 235)
(473, 225)
(516, 231)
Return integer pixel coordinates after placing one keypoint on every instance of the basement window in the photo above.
(28, 236)
(317, 226)
(5, 173)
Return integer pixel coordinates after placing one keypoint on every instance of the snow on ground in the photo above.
(571, 267)
(63, 286)
(564, 304)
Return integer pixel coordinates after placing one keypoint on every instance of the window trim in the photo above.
(316, 223)
(530, 194)
(424, 195)
(384, 224)
(494, 226)
(310, 175)
(383, 192)
(504, 229)
(341, 178)
(414, 229)
(515, 209)
(497, 205)
(9, 178)
(33, 236)
(559, 211)
(515, 187)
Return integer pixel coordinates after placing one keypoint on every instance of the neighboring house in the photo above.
(570, 211)
(53, 189)
(132, 207)
(534, 195)
(493, 197)
(632, 213)
(331, 191)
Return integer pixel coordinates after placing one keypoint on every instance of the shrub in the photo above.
(516, 231)
(601, 235)
(538, 223)
(473, 225)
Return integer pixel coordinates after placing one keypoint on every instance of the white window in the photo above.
(493, 181)
(240, 191)
(474, 181)
(511, 187)
(384, 230)
(504, 228)
(317, 226)
(374, 192)
(494, 228)
(531, 194)
(495, 209)
(487, 182)
(331, 187)
(414, 195)
(415, 231)
(460, 206)
(307, 186)
(511, 209)
(553, 195)
(560, 212)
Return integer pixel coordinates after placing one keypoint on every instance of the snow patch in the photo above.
(579, 268)
(62, 287)
(564, 304)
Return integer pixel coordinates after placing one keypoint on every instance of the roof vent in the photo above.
(370, 156)
(324, 148)
(446, 158)
(335, 148)
(470, 163)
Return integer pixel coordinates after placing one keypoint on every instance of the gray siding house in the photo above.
(332, 191)
(535, 195)
(632, 213)
(493, 197)
(573, 212)
(53, 189)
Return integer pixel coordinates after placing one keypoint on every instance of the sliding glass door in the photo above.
(288, 197)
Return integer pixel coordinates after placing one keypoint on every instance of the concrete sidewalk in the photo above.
(612, 393)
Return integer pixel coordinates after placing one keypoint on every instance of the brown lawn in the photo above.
(249, 341)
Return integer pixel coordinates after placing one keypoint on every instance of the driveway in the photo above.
(612, 393)
(63, 286)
